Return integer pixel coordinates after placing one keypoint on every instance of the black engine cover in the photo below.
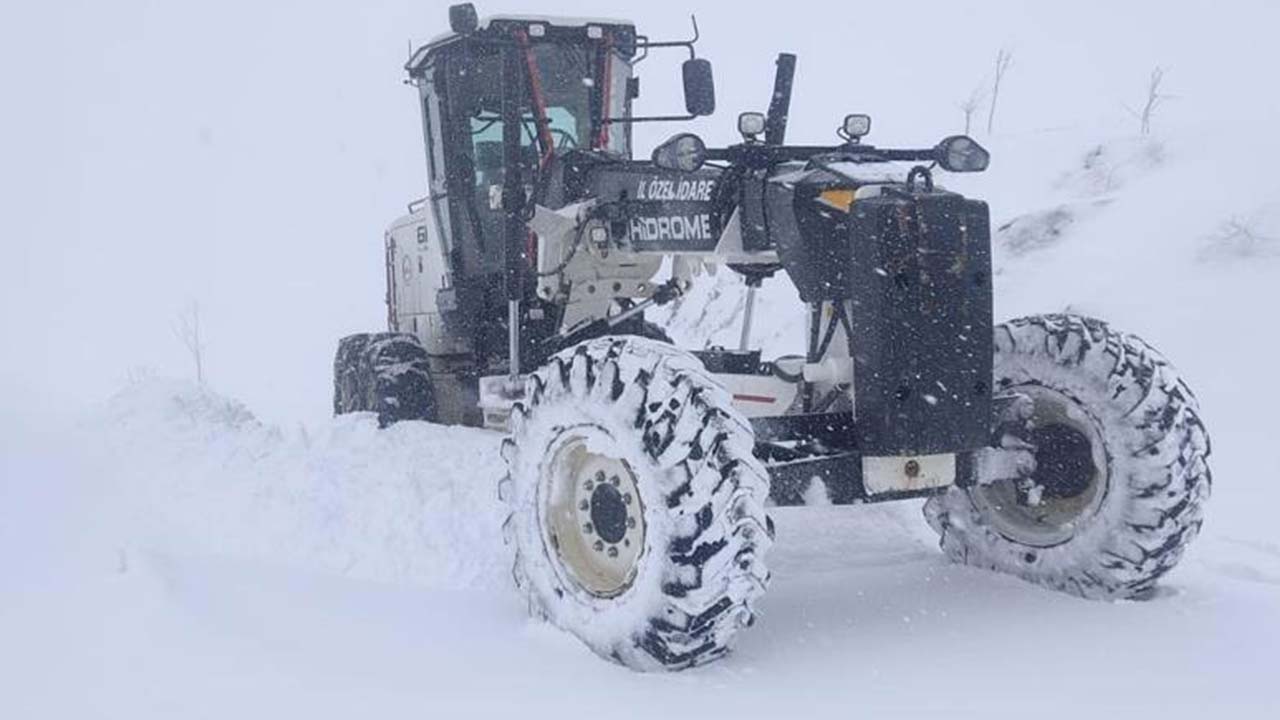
(919, 288)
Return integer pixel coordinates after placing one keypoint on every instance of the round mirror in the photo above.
(685, 152)
(961, 153)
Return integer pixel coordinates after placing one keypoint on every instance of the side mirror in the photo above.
(462, 18)
(685, 152)
(699, 87)
(961, 153)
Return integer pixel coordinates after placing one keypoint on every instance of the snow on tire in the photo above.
(637, 506)
(383, 373)
(1121, 477)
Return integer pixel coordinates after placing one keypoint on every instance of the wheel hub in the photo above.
(594, 517)
(1070, 480)
(1064, 463)
(609, 512)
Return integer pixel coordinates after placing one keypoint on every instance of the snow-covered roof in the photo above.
(557, 20)
(560, 20)
(865, 172)
(871, 171)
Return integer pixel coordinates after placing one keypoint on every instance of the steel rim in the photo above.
(1071, 479)
(593, 516)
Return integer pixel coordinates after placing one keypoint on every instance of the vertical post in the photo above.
(815, 333)
(514, 229)
(748, 313)
(775, 124)
(513, 339)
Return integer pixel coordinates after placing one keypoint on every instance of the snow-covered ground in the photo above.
(167, 554)
(186, 561)
(174, 556)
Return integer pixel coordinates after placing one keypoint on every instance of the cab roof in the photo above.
(540, 29)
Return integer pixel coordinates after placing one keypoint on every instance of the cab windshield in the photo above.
(579, 86)
(567, 78)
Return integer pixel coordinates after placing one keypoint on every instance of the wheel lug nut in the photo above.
(588, 486)
(615, 480)
(588, 528)
(598, 546)
(584, 506)
(599, 476)
(626, 498)
(613, 551)
(631, 522)
(626, 542)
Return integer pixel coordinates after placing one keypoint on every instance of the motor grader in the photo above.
(640, 474)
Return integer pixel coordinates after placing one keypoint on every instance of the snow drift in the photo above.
(414, 502)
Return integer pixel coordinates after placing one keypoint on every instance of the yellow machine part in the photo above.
(840, 198)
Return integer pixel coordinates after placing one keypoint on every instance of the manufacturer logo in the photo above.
(671, 227)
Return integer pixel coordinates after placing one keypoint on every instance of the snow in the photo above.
(172, 552)
(349, 498)
(862, 613)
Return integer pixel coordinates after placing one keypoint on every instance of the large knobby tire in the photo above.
(637, 506)
(1121, 476)
(383, 373)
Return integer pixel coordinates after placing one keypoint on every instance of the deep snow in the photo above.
(171, 555)
(218, 569)
(180, 557)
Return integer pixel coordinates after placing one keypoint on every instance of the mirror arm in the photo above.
(823, 153)
(644, 43)
(931, 154)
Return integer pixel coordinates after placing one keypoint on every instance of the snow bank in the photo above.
(416, 502)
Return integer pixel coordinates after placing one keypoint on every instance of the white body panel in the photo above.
(907, 473)
(759, 395)
(417, 269)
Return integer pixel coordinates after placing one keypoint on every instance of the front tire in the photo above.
(1121, 475)
(637, 506)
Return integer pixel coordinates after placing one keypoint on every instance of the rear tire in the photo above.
(383, 373)
(637, 506)
(1121, 476)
